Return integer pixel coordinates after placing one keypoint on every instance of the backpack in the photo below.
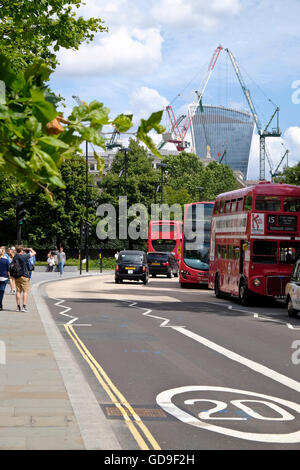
(16, 268)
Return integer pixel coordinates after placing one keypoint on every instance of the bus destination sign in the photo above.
(282, 223)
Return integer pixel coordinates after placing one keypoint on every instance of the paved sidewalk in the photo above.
(35, 410)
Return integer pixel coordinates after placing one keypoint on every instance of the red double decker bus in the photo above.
(165, 236)
(255, 240)
(194, 263)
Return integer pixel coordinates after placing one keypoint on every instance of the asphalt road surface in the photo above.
(175, 368)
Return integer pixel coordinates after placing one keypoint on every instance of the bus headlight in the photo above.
(257, 282)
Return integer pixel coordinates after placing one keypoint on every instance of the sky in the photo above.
(156, 52)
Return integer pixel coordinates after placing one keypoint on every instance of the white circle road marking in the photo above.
(164, 400)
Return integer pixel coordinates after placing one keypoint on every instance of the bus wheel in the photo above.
(292, 313)
(217, 288)
(244, 294)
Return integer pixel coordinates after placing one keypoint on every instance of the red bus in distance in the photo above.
(165, 236)
(194, 263)
(255, 240)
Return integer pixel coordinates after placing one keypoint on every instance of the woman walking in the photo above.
(4, 275)
(11, 253)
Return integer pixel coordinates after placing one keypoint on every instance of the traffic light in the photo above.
(86, 229)
(20, 212)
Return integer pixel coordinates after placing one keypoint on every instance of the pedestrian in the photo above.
(51, 262)
(4, 275)
(11, 253)
(30, 264)
(117, 256)
(61, 260)
(19, 270)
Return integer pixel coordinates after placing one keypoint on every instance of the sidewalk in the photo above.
(37, 410)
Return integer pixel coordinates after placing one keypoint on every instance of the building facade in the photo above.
(223, 132)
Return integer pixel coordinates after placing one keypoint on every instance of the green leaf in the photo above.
(123, 122)
(54, 142)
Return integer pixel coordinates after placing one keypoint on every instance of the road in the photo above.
(176, 368)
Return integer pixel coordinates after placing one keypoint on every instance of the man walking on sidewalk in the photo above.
(21, 274)
(61, 260)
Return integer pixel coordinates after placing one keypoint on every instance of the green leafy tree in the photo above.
(34, 144)
(35, 30)
(290, 175)
(187, 172)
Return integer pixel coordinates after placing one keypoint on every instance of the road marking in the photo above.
(66, 309)
(257, 367)
(116, 396)
(164, 399)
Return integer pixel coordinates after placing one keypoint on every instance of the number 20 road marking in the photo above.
(164, 400)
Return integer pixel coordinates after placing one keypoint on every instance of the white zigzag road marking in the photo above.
(64, 313)
(257, 367)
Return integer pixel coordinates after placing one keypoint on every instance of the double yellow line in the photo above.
(137, 428)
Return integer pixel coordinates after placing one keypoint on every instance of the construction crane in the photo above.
(263, 133)
(167, 136)
(178, 134)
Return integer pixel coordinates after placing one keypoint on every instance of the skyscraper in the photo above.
(228, 132)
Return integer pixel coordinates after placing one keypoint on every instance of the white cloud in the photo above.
(194, 13)
(143, 101)
(135, 52)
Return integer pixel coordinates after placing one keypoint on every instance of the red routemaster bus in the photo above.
(194, 263)
(165, 236)
(255, 240)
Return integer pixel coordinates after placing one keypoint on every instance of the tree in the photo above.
(35, 30)
(186, 171)
(33, 144)
(290, 175)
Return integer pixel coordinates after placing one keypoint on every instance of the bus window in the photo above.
(233, 205)
(218, 251)
(216, 208)
(264, 252)
(222, 207)
(230, 252)
(291, 204)
(227, 207)
(239, 205)
(288, 252)
(236, 252)
(248, 203)
(224, 252)
(267, 203)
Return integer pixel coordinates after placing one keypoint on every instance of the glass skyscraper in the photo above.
(228, 132)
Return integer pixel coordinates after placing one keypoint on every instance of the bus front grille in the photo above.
(276, 285)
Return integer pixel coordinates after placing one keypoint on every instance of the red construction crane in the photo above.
(178, 134)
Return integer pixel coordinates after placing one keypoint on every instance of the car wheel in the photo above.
(292, 313)
(153, 275)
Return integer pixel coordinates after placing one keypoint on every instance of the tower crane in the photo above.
(178, 134)
(263, 133)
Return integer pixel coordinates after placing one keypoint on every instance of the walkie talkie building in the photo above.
(228, 132)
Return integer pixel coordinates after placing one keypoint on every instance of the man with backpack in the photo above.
(20, 272)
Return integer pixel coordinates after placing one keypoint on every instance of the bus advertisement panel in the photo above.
(255, 240)
(165, 236)
(194, 264)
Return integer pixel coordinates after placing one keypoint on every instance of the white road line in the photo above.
(67, 309)
(284, 380)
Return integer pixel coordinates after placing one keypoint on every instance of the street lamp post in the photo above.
(125, 150)
(162, 167)
(200, 189)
